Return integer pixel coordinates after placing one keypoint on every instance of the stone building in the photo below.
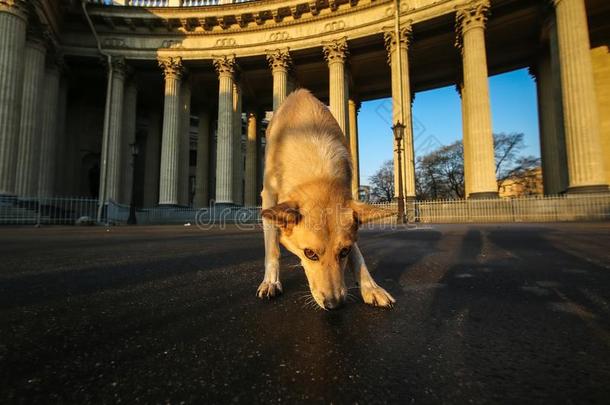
(192, 82)
(527, 183)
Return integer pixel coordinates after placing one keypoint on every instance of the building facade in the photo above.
(193, 83)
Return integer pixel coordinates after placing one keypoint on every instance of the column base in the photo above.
(485, 195)
(600, 188)
(221, 205)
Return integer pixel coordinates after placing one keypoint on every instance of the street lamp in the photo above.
(399, 131)
(132, 205)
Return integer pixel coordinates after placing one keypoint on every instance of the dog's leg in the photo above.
(372, 294)
(271, 286)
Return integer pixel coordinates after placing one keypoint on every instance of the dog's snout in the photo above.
(333, 302)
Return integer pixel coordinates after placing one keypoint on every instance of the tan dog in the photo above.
(307, 202)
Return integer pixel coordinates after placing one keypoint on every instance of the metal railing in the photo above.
(166, 3)
(67, 211)
(579, 207)
(47, 210)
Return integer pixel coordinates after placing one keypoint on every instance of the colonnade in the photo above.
(31, 120)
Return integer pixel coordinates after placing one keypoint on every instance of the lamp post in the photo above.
(399, 131)
(132, 205)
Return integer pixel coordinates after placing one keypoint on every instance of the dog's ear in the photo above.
(285, 215)
(364, 213)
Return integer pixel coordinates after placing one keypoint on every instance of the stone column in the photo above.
(48, 134)
(225, 67)
(29, 131)
(110, 169)
(582, 133)
(13, 20)
(354, 106)
(63, 155)
(466, 148)
(185, 143)
(401, 109)
(203, 160)
(470, 21)
(128, 137)
(279, 62)
(170, 140)
(238, 157)
(335, 53)
(152, 156)
(600, 56)
(552, 138)
(251, 163)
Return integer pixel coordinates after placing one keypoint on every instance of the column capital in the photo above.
(335, 51)
(54, 62)
(355, 103)
(225, 65)
(405, 33)
(279, 59)
(119, 66)
(172, 66)
(15, 7)
(471, 15)
(37, 36)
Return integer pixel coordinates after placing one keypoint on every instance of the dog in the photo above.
(308, 206)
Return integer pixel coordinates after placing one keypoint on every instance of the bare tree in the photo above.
(382, 183)
(440, 173)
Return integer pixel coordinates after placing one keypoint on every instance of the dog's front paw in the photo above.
(377, 296)
(269, 289)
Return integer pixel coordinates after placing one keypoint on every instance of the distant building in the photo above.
(527, 183)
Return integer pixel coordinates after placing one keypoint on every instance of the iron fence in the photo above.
(568, 207)
(71, 210)
(47, 210)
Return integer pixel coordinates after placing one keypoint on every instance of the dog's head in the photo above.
(322, 236)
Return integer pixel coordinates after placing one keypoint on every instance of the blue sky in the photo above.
(437, 119)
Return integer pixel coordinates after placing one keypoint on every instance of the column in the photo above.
(466, 148)
(552, 138)
(251, 163)
(582, 132)
(29, 130)
(170, 139)
(110, 169)
(48, 133)
(63, 155)
(128, 137)
(203, 160)
(335, 53)
(600, 56)
(238, 157)
(354, 106)
(478, 139)
(152, 156)
(185, 143)
(225, 67)
(401, 109)
(13, 19)
(279, 62)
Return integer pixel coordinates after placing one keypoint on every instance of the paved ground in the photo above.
(485, 314)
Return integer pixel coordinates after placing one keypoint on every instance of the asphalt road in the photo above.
(485, 314)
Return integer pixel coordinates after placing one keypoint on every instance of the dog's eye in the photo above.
(310, 254)
(344, 252)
